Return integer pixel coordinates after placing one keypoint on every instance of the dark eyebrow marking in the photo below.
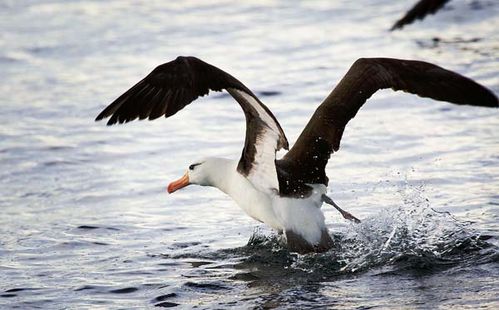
(191, 167)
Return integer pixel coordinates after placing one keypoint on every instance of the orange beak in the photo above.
(178, 184)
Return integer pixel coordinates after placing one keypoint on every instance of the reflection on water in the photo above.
(86, 222)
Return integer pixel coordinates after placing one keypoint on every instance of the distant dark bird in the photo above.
(419, 11)
(285, 193)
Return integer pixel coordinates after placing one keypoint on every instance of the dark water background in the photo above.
(85, 221)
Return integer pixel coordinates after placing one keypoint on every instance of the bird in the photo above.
(419, 11)
(286, 193)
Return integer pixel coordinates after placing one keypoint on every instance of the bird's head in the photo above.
(200, 172)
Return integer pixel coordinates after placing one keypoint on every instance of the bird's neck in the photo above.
(222, 175)
(225, 177)
(255, 203)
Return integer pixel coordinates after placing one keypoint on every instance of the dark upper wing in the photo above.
(322, 135)
(419, 11)
(173, 85)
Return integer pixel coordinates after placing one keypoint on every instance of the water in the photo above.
(86, 222)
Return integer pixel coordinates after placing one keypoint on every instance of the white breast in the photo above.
(302, 216)
(254, 202)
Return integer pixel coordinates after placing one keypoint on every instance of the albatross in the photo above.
(286, 193)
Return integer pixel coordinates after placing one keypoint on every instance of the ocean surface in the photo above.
(86, 222)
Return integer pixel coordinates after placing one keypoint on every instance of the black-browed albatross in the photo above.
(285, 193)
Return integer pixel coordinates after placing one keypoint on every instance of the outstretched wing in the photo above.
(419, 11)
(173, 85)
(322, 135)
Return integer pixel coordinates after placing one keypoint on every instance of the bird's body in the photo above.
(286, 193)
(292, 217)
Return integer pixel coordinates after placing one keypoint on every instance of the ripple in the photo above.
(165, 297)
(204, 286)
(196, 264)
(88, 287)
(20, 289)
(59, 163)
(268, 93)
(166, 304)
(91, 227)
(87, 227)
(184, 245)
(126, 290)
(106, 290)
(245, 276)
(8, 295)
(99, 243)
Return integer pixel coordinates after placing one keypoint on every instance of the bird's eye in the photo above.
(191, 167)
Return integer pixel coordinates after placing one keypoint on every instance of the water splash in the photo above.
(414, 230)
(412, 237)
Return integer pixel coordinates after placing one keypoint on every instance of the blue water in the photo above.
(86, 221)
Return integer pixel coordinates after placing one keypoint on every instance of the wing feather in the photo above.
(173, 85)
(322, 135)
(419, 11)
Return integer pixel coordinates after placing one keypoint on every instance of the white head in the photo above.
(205, 172)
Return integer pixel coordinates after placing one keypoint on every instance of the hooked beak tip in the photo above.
(170, 189)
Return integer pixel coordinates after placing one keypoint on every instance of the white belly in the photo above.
(256, 204)
(302, 216)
